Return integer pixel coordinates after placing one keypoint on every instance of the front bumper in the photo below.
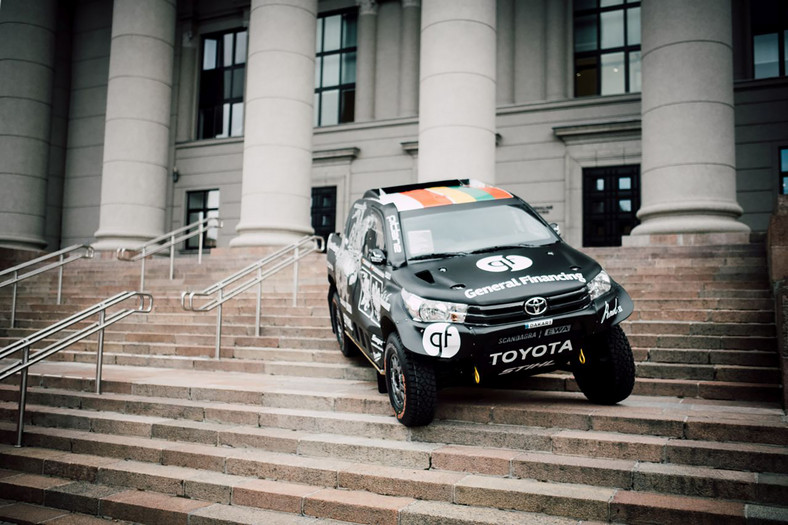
(531, 346)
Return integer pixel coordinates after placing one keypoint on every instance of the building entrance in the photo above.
(611, 198)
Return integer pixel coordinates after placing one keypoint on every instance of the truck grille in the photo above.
(503, 313)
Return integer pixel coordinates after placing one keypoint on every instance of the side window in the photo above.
(373, 235)
(354, 230)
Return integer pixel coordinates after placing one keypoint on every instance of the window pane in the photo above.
(195, 201)
(766, 55)
(237, 128)
(625, 183)
(238, 82)
(240, 47)
(608, 3)
(330, 70)
(225, 121)
(634, 72)
(585, 77)
(319, 36)
(332, 33)
(584, 4)
(625, 205)
(585, 33)
(213, 200)
(600, 185)
(349, 39)
(329, 110)
(348, 106)
(316, 109)
(633, 26)
(209, 54)
(228, 84)
(349, 68)
(318, 69)
(784, 160)
(598, 207)
(612, 73)
(612, 29)
(228, 50)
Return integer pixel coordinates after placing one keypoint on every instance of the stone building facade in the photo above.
(123, 119)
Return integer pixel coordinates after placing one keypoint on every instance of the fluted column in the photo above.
(688, 170)
(136, 136)
(505, 56)
(409, 58)
(27, 58)
(457, 90)
(277, 163)
(366, 54)
(555, 49)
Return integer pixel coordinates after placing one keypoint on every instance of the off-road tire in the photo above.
(338, 325)
(608, 375)
(412, 388)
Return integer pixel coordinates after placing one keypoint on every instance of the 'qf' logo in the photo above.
(504, 263)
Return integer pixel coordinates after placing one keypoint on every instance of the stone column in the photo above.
(457, 90)
(409, 58)
(367, 51)
(505, 56)
(27, 59)
(689, 168)
(555, 50)
(277, 163)
(137, 132)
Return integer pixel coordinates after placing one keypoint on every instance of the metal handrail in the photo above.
(62, 261)
(99, 326)
(278, 260)
(172, 238)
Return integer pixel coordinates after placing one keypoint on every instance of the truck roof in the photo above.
(438, 193)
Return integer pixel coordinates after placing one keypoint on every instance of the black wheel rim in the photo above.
(396, 382)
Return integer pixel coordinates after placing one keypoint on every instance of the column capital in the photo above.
(367, 7)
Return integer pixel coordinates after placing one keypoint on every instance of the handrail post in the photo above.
(295, 275)
(219, 323)
(142, 272)
(172, 257)
(259, 300)
(60, 280)
(13, 300)
(199, 244)
(100, 351)
(20, 423)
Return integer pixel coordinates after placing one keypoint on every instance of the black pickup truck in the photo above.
(460, 283)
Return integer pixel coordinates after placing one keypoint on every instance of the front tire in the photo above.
(338, 325)
(412, 388)
(608, 375)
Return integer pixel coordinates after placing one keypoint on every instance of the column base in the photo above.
(268, 237)
(21, 242)
(105, 243)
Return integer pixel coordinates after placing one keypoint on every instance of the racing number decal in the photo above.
(441, 339)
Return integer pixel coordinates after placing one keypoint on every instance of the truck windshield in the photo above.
(459, 229)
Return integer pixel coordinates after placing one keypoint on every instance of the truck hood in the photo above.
(500, 276)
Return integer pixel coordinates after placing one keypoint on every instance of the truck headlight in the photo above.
(599, 285)
(428, 311)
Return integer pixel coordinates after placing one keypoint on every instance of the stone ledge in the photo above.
(688, 239)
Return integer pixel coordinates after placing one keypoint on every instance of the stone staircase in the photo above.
(283, 429)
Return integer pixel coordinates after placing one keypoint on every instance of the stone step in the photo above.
(705, 372)
(753, 358)
(677, 328)
(702, 342)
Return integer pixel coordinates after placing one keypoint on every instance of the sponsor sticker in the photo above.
(523, 281)
(441, 339)
(523, 355)
(504, 263)
(527, 367)
(557, 330)
(396, 238)
(538, 324)
(520, 337)
(611, 311)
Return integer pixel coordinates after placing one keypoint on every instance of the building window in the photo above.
(784, 171)
(335, 68)
(200, 205)
(769, 38)
(222, 78)
(324, 210)
(607, 47)
(611, 199)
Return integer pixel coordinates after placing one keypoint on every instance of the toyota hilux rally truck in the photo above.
(459, 283)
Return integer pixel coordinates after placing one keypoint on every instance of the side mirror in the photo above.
(556, 228)
(377, 256)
